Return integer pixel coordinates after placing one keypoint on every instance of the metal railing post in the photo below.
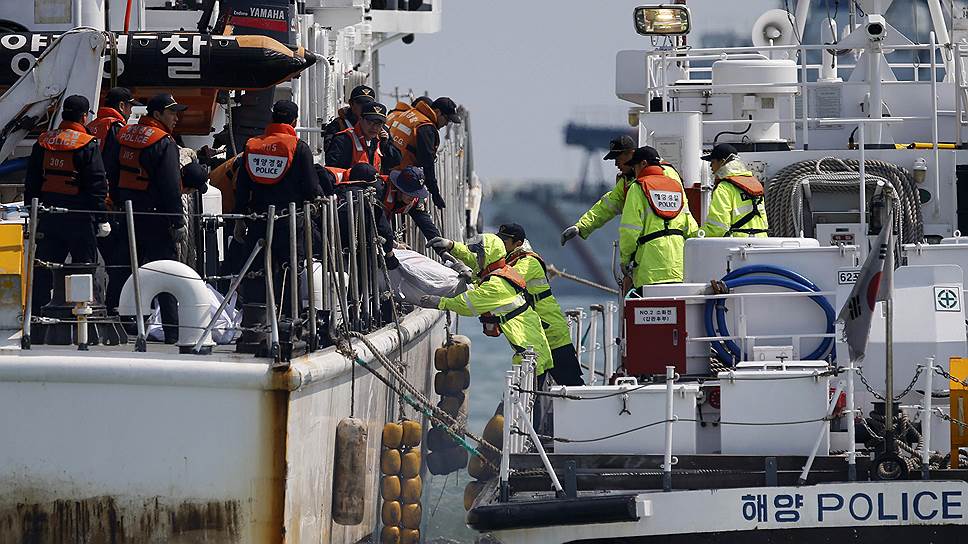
(29, 287)
(270, 288)
(293, 267)
(324, 210)
(824, 429)
(376, 263)
(311, 345)
(506, 435)
(593, 335)
(363, 254)
(959, 105)
(670, 415)
(851, 424)
(926, 408)
(934, 126)
(354, 283)
(610, 310)
(338, 265)
(225, 300)
(141, 343)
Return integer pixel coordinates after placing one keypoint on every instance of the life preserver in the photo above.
(403, 131)
(59, 171)
(665, 197)
(753, 191)
(492, 323)
(269, 157)
(360, 154)
(101, 127)
(133, 140)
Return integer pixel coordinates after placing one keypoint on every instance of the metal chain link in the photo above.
(940, 413)
(878, 396)
(946, 375)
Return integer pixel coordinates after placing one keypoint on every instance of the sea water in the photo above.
(443, 496)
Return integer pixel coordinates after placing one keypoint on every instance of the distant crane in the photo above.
(594, 140)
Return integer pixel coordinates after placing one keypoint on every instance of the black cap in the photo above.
(363, 171)
(424, 99)
(119, 95)
(285, 108)
(646, 153)
(618, 146)
(448, 107)
(165, 101)
(362, 93)
(720, 152)
(77, 104)
(374, 111)
(410, 180)
(513, 231)
(195, 176)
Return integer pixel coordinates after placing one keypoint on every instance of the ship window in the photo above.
(47, 12)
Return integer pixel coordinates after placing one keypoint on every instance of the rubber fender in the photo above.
(456, 381)
(390, 488)
(409, 536)
(390, 535)
(494, 431)
(440, 383)
(453, 406)
(410, 464)
(390, 462)
(459, 352)
(411, 490)
(392, 435)
(412, 430)
(471, 492)
(446, 461)
(499, 409)
(349, 472)
(479, 470)
(440, 440)
(390, 513)
(410, 516)
(440, 359)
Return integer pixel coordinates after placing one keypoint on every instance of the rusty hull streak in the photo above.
(277, 443)
(100, 520)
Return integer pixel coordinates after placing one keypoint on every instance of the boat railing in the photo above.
(661, 63)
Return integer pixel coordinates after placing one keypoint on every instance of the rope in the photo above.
(785, 198)
(555, 272)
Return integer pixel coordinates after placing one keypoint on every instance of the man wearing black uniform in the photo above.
(349, 115)
(144, 169)
(403, 192)
(416, 133)
(366, 142)
(277, 168)
(112, 115)
(65, 170)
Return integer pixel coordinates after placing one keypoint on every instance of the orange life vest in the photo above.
(106, 118)
(133, 140)
(400, 108)
(59, 171)
(269, 157)
(665, 195)
(500, 268)
(749, 185)
(360, 147)
(403, 127)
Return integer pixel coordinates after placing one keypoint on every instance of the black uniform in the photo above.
(63, 234)
(341, 150)
(418, 213)
(341, 122)
(428, 140)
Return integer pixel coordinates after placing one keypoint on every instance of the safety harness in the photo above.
(752, 190)
(666, 198)
(517, 256)
(492, 323)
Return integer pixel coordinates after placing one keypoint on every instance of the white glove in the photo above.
(568, 234)
(103, 230)
(441, 244)
(429, 301)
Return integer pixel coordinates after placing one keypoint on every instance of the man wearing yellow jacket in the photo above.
(567, 370)
(736, 207)
(655, 224)
(498, 297)
(612, 202)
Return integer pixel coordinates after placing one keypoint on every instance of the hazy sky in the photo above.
(525, 67)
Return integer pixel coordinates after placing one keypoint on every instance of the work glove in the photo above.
(429, 301)
(464, 272)
(103, 230)
(238, 232)
(568, 234)
(391, 261)
(438, 201)
(441, 244)
(179, 234)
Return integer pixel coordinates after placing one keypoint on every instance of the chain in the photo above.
(946, 375)
(878, 396)
(940, 413)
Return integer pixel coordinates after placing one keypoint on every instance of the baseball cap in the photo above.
(618, 146)
(374, 111)
(77, 104)
(645, 153)
(165, 101)
(513, 231)
(448, 107)
(410, 180)
(362, 93)
(363, 172)
(286, 108)
(195, 176)
(119, 95)
(720, 152)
